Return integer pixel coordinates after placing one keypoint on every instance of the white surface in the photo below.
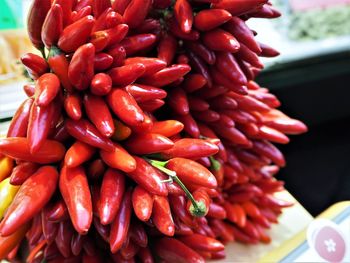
(11, 96)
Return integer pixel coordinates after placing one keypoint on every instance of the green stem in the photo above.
(215, 164)
(42, 50)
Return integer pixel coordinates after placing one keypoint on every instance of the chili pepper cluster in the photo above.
(144, 136)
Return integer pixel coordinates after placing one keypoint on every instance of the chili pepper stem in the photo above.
(42, 50)
(198, 209)
(215, 164)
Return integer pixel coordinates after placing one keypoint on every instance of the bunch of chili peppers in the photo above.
(144, 137)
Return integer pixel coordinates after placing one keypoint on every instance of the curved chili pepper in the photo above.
(178, 101)
(173, 250)
(121, 132)
(72, 104)
(220, 40)
(78, 153)
(101, 84)
(66, 6)
(102, 61)
(167, 48)
(35, 20)
(167, 128)
(29, 89)
(58, 212)
(227, 64)
(99, 6)
(81, 67)
(47, 87)
(84, 131)
(49, 228)
(152, 65)
(192, 172)
(147, 177)
(267, 51)
(7, 243)
(34, 64)
(27, 202)
(239, 7)
(267, 149)
(166, 75)
(22, 172)
(136, 43)
(145, 255)
(96, 169)
(19, 123)
(142, 202)
(207, 116)
(216, 211)
(100, 40)
(249, 56)
(194, 82)
(118, 54)
(149, 25)
(210, 19)
(125, 75)
(144, 93)
(148, 143)
(121, 223)
(232, 134)
(19, 148)
(114, 34)
(105, 17)
(112, 191)
(52, 26)
(203, 243)
(64, 238)
(76, 194)
(184, 15)
(120, 6)
(138, 234)
(161, 216)
(136, 12)
(77, 244)
(176, 30)
(272, 135)
(59, 65)
(190, 125)
(151, 105)
(119, 158)
(35, 231)
(76, 34)
(202, 51)
(200, 67)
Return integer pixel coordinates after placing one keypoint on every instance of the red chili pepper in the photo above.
(98, 112)
(118, 54)
(193, 82)
(35, 20)
(173, 250)
(178, 207)
(144, 126)
(152, 65)
(34, 64)
(145, 255)
(121, 132)
(108, 15)
(109, 37)
(239, 7)
(66, 6)
(22, 172)
(53, 26)
(58, 212)
(76, 194)
(102, 61)
(59, 65)
(76, 34)
(81, 67)
(136, 12)
(8, 243)
(129, 251)
(176, 30)
(167, 128)
(100, 40)
(138, 234)
(142, 202)
(149, 25)
(227, 65)
(161, 216)
(267, 51)
(192, 172)
(267, 149)
(102, 230)
(203, 243)
(137, 43)
(207, 116)
(121, 223)
(35, 232)
(19, 122)
(220, 40)
(190, 124)
(72, 104)
(29, 89)
(78, 153)
(143, 93)
(167, 48)
(184, 15)
(202, 51)
(148, 143)
(27, 203)
(125, 107)
(77, 244)
(202, 198)
(272, 135)
(99, 6)
(64, 238)
(151, 105)
(119, 159)
(210, 19)
(120, 6)
(47, 87)
(245, 54)
(167, 75)
(147, 176)
(216, 211)
(178, 101)
(49, 228)
(96, 169)
(125, 75)
(84, 131)
(112, 191)
(200, 67)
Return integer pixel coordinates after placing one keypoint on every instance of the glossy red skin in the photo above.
(78, 153)
(190, 124)
(19, 148)
(121, 223)
(100, 40)
(210, 19)
(167, 128)
(29, 89)
(75, 191)
(8, 243)
(77, 244)
(239, 7)
(102, 61)
(178, 207)
(125, 75)
(198, 104)
(201, 196)
(176, 30)
(118, 54)
(147, 143)
(167, 48)
(138, 234)
(227, 64)
(98, 112)
(34, 64)
(81, 67)
(192, 172)
(144, 93)
(47, 87)
(202, 51)
(149, 25)
(166, 75)
(96, 169)
(120, 6)
(267, 133)
(98, 6)
(136, 12)
(147, 177)
(191, 149)
(35, 232)
(49, 228)
(19, 122)
(151, 105)
(216, 211)
(220, 40)
(53, 26)
(152, 65)
(178, 101)
(200, 67)
(161, 216)
(172, 250)
(184, 15)
(112, 191)
(142, 202)
(245, 54)
(72, 104)
(194, 82)
(84, 131)
(66, 6)
(33, 195)
(63, 239)
(102, 230)
(118, 158)
(203, 243)
(223, 102)
(22, 172)
(125, 107)
(35, 20)
(129, 251)
(76, 15)
(58, 212)
(107, 19)
(115, 34)
(76, 34)
(267, 149)
(137, 43)
(101, 84)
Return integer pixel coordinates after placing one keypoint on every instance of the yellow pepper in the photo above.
(7, 193)
(6, 165)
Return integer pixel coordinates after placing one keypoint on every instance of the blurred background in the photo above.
(311, 78)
